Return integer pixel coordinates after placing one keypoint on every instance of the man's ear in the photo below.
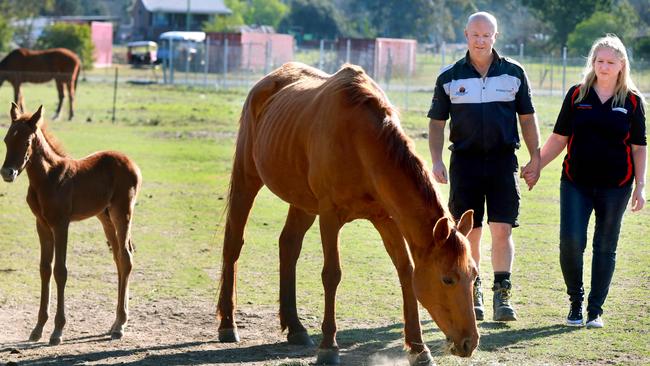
(466, 222)
(15, 111)
(37, 119)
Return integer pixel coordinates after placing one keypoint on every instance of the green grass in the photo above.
(183, 138)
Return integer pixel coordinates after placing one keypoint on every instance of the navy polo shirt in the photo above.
(599, 152)
(483, 111)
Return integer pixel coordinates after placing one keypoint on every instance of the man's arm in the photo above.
(530, 133)
(436, 142)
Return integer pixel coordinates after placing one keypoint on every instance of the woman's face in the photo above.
(607, 64)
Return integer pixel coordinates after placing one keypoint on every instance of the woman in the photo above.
(602, 121)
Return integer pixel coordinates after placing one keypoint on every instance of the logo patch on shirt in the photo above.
(461, 91)
(584, 106)
(619, 109)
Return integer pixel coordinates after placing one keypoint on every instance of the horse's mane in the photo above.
(55, 145)
(360, 89)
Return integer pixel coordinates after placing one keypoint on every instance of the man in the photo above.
(484, 93)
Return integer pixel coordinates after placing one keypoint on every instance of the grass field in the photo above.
(183, 141)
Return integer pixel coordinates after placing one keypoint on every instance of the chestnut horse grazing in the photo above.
(26, 66)
(333, 146)
(61, 190)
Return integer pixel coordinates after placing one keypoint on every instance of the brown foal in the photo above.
(61, 190)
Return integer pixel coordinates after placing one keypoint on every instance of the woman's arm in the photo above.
(639, 156)
(553, 146)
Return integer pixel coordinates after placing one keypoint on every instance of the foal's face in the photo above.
(18, 141)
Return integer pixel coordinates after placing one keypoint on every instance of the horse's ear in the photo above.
(442, 230)
(16, 111)
(466, 222)
(37, 118)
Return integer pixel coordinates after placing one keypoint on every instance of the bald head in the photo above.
(482, 16)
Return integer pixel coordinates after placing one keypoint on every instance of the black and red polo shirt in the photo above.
(483, 110)
(599, 152)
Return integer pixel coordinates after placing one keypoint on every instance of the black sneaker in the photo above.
(503, 311)
(479, 310)
(574, 319)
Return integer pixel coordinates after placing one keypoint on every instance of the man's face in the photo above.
(480, 35)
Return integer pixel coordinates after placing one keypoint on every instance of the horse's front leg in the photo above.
(47, 254)
(60, 276)
(59, 89)
(419, 353)
(328, 351)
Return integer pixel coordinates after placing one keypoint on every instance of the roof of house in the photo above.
(180, 6)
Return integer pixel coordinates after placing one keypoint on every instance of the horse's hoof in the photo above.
(36, 335)
(328, 356)
(300, 339)
(117, 335)
(228, 335)
(421, 359)
(55, 341)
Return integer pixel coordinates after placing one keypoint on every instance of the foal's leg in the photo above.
(120, 215)
(60, 276)
(297, 224)
(243, 189)
(71, 90)
(59, 89)
(111, 237)
(330, 225)
(419, 353)
(47, 254)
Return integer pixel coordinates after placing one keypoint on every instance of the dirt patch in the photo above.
(179, 333)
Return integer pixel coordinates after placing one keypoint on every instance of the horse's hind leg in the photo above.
(71, 90)
(120, 214)
(60, 231)
(47, 255)
(243, 189)
(297, 224)
(111, 238)
(394, 243)
(59, 89)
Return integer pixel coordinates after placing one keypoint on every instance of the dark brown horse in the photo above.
(26, 66)
(332, 146)
(61, 190)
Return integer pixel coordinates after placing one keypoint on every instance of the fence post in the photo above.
(115, 94)
(409, 57)
(225, 62)
(348, 47)
(322, 54)
(442, 53)
(563, 69)
(552, 62)
(171, 61)
(521, 52)
(207, 62)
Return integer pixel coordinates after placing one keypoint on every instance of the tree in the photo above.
(230, 22)
(564, 15)
(319, 18)
(6, 33)
(75, 37)
(265, 12)
(622, 21)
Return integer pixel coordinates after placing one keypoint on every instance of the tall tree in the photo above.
(265, 12)
(564, 15)
(317, 17)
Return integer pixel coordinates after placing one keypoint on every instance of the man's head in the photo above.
(481, 33)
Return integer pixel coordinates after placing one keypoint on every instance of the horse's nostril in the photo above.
(467, 346)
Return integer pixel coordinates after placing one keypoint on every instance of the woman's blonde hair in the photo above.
(624, 83)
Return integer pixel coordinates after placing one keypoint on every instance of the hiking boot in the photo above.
(503, 311)
(574, 319)
(595, 321)
(478, 299)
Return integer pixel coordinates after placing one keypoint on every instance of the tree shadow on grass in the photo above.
(386, 341)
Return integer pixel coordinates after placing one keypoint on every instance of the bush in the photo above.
(6, 33)
(75, 37)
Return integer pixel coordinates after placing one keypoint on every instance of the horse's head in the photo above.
(443, 282)
(18, 140)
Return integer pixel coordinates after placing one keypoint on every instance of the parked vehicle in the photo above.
(141, 53)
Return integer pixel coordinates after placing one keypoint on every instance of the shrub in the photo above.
(75, 37)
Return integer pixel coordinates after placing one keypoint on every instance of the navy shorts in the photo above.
(476, 181)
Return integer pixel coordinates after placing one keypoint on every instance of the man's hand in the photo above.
(439, 172)
(531, 172)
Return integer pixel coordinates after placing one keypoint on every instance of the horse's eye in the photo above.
(447, 280)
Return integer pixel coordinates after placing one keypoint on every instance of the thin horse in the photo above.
(61, 189)
(26, 66)
(332, 146)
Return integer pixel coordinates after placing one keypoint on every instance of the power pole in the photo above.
(187, 16)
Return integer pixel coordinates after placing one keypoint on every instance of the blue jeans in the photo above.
(576, 206)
